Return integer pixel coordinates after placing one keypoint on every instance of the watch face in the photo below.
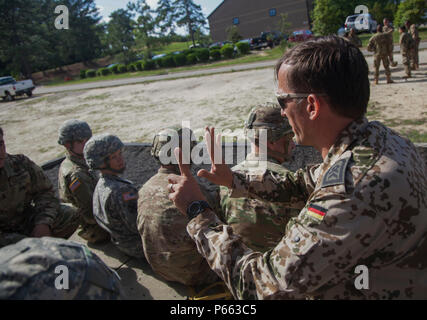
(194, 208)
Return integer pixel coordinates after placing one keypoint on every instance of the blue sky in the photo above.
(108, 6)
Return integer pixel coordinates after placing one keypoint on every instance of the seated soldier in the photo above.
(76, 182)
(114, 198)
(49, 268)
(261, 224)
(167, 246)
(28, 206)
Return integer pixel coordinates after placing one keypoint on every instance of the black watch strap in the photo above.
(196, 207)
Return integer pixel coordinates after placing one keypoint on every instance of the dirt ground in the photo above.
(136, 112)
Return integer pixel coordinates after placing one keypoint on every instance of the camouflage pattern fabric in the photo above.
(115, 210)
(406, 46)
(99, 147)
(354, 39)
(27, 199)
(379, 44)
(416, 38)
(260, 224)
(73, 130)
(168, 249)
(389, 32)
(76, 184)
(364, 205)
(27, 272)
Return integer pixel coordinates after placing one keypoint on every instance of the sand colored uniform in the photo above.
(379, 44)
(406, 48)
(364, 205)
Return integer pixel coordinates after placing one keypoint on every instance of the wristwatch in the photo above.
(196, 207)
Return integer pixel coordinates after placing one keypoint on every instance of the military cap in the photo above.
(165, 136)
(267, 116)
(99, 147)
(72, 130)
(52, 268)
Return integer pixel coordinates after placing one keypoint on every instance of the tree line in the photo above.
(30, 42)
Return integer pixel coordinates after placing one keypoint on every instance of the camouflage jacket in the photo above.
(406, 43)
(76, 185)
(365, 205)
(167, 246)
(260, 224)
(355, 40)
(26, 195)
(389, 32)
(115, 210)
(379, 44)
(414, 33)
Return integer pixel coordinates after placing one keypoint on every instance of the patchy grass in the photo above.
(98, 97)
(373, 111)
(414, 135)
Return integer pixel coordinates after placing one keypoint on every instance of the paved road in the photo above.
(119, 82)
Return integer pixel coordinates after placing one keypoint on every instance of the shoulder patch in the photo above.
(127, 196)
(335, 174)
(316, 212)
(74, 185)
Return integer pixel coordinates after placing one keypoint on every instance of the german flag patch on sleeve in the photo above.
(74, 185)
(316, 212)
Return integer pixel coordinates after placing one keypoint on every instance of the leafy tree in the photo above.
(120, 34)
(329, 15)
(165, 17)
(233, 34)
(187, 13)
(412, 10)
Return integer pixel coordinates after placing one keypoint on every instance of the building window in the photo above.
(272, 12)
(236, 20)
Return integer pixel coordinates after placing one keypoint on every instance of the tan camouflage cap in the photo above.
(267, 116)
(30, 270)
(73, 130)
(165, 136)
(99, 147)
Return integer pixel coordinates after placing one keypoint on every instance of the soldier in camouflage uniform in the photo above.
(76, 182)
(379, 44)
(260, 224)
(364, 207)
(353, 38)
(32, 269)
(388, 29)
(114, 199)
(28, 206)
(406, 46)
(413, 32)
(168, 248)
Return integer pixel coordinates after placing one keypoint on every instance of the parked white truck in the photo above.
(10, 88)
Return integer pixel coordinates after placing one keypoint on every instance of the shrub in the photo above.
(227, 50)
(103, 72)
(122, 68)
(149, 65)
(139, 66)
(203, 55)
(131, 67)
(167, 62)
(115, 69)
(215, 47)
(215, 54)
(179, 59)
(243, 47)
(90, 73)
(82, 74)
(191, 58)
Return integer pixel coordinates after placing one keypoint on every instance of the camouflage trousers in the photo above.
(64, 226)
(406, 59)
(415, 56)
(386, 64)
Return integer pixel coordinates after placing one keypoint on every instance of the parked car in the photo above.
(158, 56)
(300, 36)
(249, 42)
(366, 23)
(10, 88)
(267, 39)
(219, 44)
(341, 32)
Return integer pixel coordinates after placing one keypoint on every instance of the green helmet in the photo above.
(267, 116)
(164, 136)
(52, 268)
(99, 147)
(72, 130)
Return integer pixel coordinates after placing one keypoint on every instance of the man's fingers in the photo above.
(183, 168)
(206, 174)
(173, 178)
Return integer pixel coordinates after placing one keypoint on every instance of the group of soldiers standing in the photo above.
(267, 232)
(382, 46)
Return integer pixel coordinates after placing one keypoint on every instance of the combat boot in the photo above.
(394, 64)
(389, 80)
(375, 81)
(94, 234)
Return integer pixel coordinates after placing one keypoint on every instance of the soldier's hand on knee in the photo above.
(41, 230)
(183, 189)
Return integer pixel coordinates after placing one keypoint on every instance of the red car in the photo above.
(300, 35)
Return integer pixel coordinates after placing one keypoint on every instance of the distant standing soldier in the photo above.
(413, 31)
(379, 44)
(260, 224)
(76, 182)
(353, 38)
(406, 44)
(388, 29)
(55, 269)
(28, 206)
(114, 199)
(167, 246)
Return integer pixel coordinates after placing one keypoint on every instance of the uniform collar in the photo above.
(77, 160)
(7, 167)
(114, 177)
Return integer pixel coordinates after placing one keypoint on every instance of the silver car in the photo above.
(361, 23)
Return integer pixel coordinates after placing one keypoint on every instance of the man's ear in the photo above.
(313, 106)
(68, 146)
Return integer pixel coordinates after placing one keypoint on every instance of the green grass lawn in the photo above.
(172, 47)
(364, 37)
